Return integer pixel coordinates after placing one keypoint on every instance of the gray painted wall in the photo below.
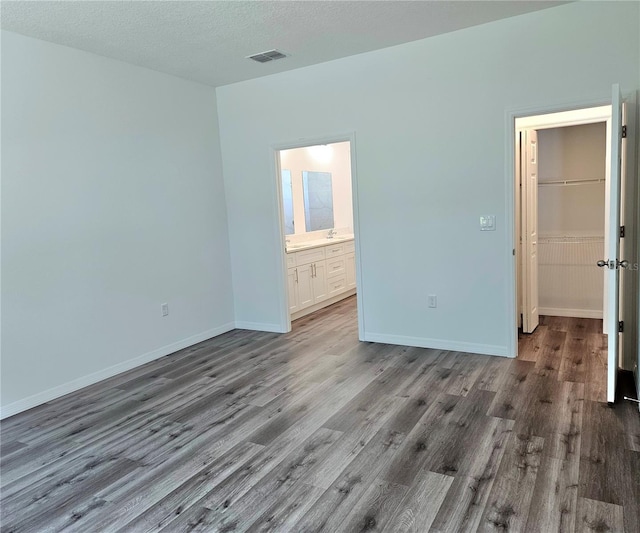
(112, 203)
(431, 138)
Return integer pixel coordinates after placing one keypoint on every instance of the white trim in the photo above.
(90, 379)
(261, 326)
(512, 240)
(574, 313)
(575, 117)
(324, 303)
(355, 199)
(283, 286)
(439, 344)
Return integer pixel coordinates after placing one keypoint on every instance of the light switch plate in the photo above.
(487, 223)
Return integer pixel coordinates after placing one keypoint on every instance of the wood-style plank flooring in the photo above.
(315, 431)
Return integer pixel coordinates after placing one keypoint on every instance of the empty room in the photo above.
(320, 266)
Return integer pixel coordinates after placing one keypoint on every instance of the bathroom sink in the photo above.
(341, 238)
(308, 244)
(318, 242)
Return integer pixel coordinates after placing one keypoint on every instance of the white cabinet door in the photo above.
(320, 291)
(292, 282)
(305, 286)
(530, 311)
(350, 260)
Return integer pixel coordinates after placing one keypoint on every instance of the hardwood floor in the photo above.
(315, 431)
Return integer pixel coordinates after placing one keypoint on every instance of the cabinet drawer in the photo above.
(334, 249)
(349, 247)
(336, 285)
(309, 256)
(291, 260)
(336, 266)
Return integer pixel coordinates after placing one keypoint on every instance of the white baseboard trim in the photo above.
(438, 344)
(325, 303)
(90, 379)
(260, 326)
(574, 313)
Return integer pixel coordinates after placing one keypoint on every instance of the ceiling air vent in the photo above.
(265, 57)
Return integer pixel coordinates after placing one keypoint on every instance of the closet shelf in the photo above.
(571, 182)
(572, 239)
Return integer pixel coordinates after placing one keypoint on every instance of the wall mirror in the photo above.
(316, 188)
(318, 200)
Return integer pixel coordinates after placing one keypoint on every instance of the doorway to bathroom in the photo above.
(316, 184)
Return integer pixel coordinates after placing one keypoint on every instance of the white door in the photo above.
(305, 286)
(350, 260)
(292, 282)
(530, 312)
(320, 287)
(613, 262)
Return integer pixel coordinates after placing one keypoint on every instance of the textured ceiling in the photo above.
(207, 41)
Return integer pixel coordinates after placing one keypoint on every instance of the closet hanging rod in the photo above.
(571, 182)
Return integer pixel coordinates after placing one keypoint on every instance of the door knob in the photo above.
(613, 265)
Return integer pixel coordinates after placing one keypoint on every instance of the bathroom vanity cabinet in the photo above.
(319, 275)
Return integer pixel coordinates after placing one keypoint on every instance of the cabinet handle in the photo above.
(296, 275)
(313, 270)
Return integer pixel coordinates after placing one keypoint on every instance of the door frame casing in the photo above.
(512, 236)
(274, 149)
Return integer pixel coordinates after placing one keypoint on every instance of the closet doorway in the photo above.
(561, 214)
(567, 217)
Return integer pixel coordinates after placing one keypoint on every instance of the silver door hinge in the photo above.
(624, 132)
(622, 232)
(620, 326)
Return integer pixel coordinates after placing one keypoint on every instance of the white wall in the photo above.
(431, 136)
(112, 203)
(571, 220)
(334, 158)
(572, 209)
(572, 153)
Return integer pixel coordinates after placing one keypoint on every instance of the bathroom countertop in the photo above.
(297, 247)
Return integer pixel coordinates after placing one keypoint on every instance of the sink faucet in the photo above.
(331, 233)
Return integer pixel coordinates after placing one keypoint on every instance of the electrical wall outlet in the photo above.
(432, 300)
(165, 309)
